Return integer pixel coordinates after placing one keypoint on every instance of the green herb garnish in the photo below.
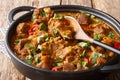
(111, 35)
(83, 54)
(37, 60)
(32, 48)
(40, 47)
(97, 37)
(42, 26)
(29, 59)
(83, 63)
(17, 41)
(55, 32)
(84, 44)
(58, 16)
(65, 36)
(96, 55)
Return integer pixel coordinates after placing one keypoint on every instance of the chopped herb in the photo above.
(55, 32)
(40, 47)
(97, 37)
(37, 60)
(83, 63)
(110, 34)
(84, 44)
(83, 54)
(65, 36)
(31, 47)
(42, 26)
(58, 60)
(34, 52)
(29, 59)
(94, 19)
(96, 55)
(58, 16)
(47, 39)
(17, 41)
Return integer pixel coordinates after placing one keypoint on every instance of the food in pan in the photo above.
(47, 41)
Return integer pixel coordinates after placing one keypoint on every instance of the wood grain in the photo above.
(7, 69)
(111, 7)
(77, 2)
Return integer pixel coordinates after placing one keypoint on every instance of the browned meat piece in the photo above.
(19, 48)
(100, 61)
(82, 18)
(69, 59)
(22, 28)
(46, 63)
(66, 51)
(99, 30)
(68, 67)
(100, 49)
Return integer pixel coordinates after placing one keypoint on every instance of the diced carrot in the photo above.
(86, 60)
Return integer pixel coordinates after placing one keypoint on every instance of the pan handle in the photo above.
(111, 67)
(16, 10)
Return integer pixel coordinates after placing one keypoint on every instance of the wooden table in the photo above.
(7, 69)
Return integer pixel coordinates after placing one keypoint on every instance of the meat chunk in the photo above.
(82, 18)
(19, 48)
(22, 28)
(68, 67)
(100, 61)
(67, 50)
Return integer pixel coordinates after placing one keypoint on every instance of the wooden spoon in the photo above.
(81, 35)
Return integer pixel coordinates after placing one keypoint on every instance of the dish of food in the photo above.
(47, 41)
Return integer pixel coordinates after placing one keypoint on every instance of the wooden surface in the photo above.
(7, 69)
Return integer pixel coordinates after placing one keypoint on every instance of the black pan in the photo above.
(41, 74)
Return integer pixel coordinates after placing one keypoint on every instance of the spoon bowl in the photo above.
(81, 35)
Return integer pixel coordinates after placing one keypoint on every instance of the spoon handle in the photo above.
(106, 46)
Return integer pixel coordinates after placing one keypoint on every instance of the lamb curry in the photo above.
(47, 41)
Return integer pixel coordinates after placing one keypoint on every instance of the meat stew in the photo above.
(47, 41)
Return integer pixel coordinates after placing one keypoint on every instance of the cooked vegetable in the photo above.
(117, 45)
(29, 59)
(32, 29)
(17, 41)
(37, 60)
(97, 36)
(58, 16)
(47, 41)
(55, 32)
(40, 47)
(83, 63)
(83, 54)
(111, 34)
(84, 44)
(42, 26)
